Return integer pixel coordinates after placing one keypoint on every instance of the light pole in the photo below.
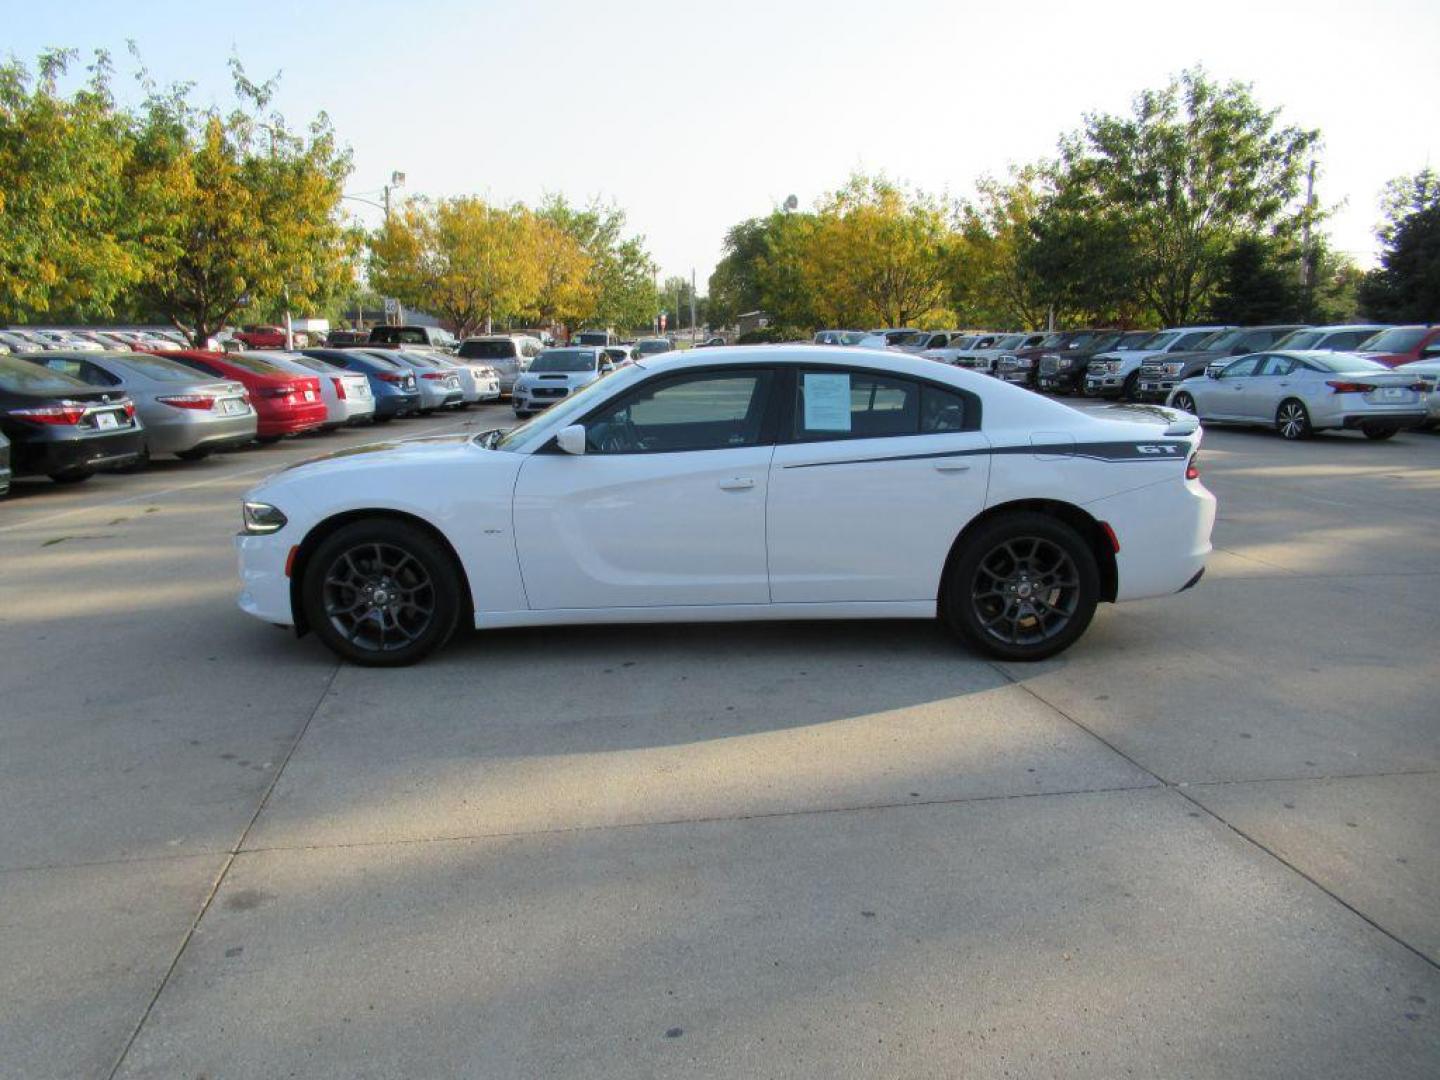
(397, 180)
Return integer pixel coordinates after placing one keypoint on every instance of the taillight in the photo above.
(129, 407)
(1349, 387)
(1192, 468)
(389, 377)
(1420, 387)
(432, 375)
(278, 391)
(339, 387)
(51, 414)
(188, 401)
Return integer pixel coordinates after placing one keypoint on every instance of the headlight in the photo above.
(1173, 369)
(262, 518)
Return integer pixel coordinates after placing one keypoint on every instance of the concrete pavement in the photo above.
(1201, 843)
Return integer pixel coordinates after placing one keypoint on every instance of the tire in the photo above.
(388, 557)
(1184, 402)
(1379, 434)
(268, 440)
(1292, 420)
(384, 419)
(521, 415)
(1127, 392)
(195, 453)
(72, 476)
(990, 596)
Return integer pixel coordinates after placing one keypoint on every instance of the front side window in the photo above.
(1241, 368)
(713, 410)
(1279, 365)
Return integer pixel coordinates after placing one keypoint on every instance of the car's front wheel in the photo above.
(1024, 587)
(382, 593)
(1184, 402)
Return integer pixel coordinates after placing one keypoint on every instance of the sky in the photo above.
(694, 118)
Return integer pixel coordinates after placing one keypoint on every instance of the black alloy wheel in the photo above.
(382, 593)
(1025, 587)
(1292, 420)
(1184, 402)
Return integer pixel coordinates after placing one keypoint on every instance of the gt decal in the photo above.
(1158, 448)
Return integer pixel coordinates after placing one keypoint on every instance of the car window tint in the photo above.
(854, 405)
(201, 365)
(1279, 365)
(1241, 368)
(941, 410)
(706, 411)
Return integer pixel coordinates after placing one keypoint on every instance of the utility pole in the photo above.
(1307, 271)
(692, 307)
(397, 180)
(678, 286)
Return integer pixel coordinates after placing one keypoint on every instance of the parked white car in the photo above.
(508, 354)
(741, 483)
(556, 374)
(347, 395)
(478, 382)
(1301, 392)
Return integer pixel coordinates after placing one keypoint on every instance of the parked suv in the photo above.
(261, 337)
(1115, 374)
(1063, 371)
(1341, 338)
(1161, 374)
(408, 337)
(1402, 345)
(508, 354)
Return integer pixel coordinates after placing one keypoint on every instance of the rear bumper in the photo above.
(292, 421)
(45, 456)
(396, 404)
(174, 436)
(1395, 420)
(1164, 534)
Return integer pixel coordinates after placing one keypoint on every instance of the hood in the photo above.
(556, 378)
(393, 450)
(1169, 421)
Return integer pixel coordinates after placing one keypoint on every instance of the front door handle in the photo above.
(738, 483)
(952, 466)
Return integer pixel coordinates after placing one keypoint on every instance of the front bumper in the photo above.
(1154, 389)
(1104, 385)
(1060, 382)
(264, 586)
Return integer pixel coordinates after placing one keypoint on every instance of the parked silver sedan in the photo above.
(438, 385)
(1301, 392)
(346, 394)
(183, 413)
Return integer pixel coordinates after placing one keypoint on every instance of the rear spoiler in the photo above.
(1176, 423)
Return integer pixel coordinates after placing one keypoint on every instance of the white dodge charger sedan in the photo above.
(791, 482)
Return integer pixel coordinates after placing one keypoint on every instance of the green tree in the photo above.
(993, 278)
(734, 285)
(1406, 286)
(1259, 283)
(467, 261)
(1193, 168)
(622, 274)
(239, 209)
(69, 248)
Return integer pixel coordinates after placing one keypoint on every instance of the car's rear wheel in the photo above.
(382, 593)
(1024, 587)
(1292, 420)
(1379, 434)
(1184, 402)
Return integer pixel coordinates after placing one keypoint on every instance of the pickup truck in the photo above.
(1161, 374)
(1116, 374)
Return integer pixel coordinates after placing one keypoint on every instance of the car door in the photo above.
(1270, 384)
(1225, 400)
(667, 505)
(874, 478)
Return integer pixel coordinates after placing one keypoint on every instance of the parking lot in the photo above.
(1204, 842)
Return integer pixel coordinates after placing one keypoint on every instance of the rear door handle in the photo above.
(738, 483)
(951, 466)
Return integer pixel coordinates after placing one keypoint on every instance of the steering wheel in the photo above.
(619, 437)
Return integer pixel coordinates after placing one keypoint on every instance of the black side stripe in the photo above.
(1103, 451)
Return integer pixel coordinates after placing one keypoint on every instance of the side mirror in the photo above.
(571, 439)
(1431, 351)
(606, 368)
(1213, 372)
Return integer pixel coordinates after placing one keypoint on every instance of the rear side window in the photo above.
(160, 369)
(851, 405)
(201, 365)
(488, 350)
(82, 370)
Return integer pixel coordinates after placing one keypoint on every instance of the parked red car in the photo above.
(1402, 345)
(262, 337)
(285, 403)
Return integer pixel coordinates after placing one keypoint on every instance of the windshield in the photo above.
(1225, 339)
(23, 377)
(1299, 339)
(1160, 341)
(315, 365)
(1055, 341)
(560, 414)
(1343, 361)
(1197, 339)
(252, 364)
(565, 360)
(592, 337)
(1399, 340)
(488, 350)
(156, 368)
(399, 335)
(647, 348)
(1010, 341)
(1136, 339)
